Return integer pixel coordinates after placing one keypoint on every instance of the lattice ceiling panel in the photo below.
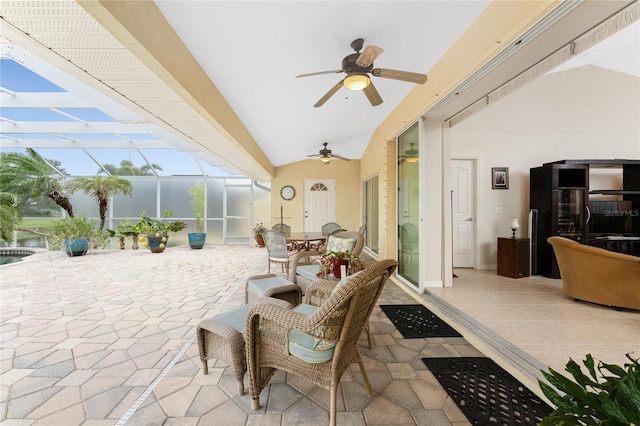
(109, 64)
(141, 91)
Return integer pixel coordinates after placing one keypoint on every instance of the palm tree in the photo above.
(9, 215)
(101, 188)
(30, 175)
(128, 169)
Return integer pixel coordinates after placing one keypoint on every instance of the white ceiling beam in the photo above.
(63, 143)
(69, 127)
(43, 100)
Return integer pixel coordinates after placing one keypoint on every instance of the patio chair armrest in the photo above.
(300, 257)
(267, 298)
(273, 321)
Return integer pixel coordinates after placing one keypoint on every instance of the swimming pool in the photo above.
(13, 255)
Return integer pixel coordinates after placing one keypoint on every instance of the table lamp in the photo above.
(514, 225)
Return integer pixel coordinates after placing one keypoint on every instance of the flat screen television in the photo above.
(614, 218)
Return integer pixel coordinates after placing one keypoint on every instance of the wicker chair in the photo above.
(329, 228)
(282, 339)
(276, 244)
(311, 257)
(363, 230)
(282, 227)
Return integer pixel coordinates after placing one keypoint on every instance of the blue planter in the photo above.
(76, 247)
(196, 241)
(154, 243)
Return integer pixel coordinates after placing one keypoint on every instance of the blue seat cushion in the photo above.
(261, 285)
(309, 272)
(307, 347)
(236, 319)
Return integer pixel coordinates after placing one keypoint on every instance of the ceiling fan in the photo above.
(411, 155)
(326, 155)
(357, 66)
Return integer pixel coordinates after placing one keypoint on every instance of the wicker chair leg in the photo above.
(332, 405)
(365, 379)
(369, 336)
(255, 403)
(205, 367)
(241, 386)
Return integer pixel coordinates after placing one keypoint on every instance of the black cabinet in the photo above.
(559, 194)
(568, 207)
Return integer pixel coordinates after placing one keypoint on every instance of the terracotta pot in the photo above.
(260, 241)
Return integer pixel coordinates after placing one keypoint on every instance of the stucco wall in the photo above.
(500, 21)
(348, 191)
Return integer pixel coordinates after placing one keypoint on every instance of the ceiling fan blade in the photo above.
(319, 73)
(313, 155)
(372, 94)
(412, 77)
(368, 55)
(329, 94)
(340, 157)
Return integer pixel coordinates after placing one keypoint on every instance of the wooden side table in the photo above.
(513, 257)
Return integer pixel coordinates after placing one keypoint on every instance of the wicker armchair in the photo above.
(335, 316)
(311, 257)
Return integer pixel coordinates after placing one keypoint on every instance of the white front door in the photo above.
(462, 181)
(319, 203)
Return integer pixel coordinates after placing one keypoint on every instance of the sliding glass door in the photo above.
(370, 213)
(408, 205)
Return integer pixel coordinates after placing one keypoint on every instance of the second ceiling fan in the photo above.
(358, 66)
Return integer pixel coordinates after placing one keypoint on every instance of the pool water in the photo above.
(9, 259)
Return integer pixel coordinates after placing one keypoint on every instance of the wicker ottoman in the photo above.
(222, 337)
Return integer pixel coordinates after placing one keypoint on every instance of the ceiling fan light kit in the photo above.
(356, 81)
(357, 66)
(325, 154)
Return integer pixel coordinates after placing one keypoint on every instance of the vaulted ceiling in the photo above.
(218, 78)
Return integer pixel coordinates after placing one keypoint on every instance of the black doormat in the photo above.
(416, 321)
(486, 393)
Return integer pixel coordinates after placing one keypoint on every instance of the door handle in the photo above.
(469, 219)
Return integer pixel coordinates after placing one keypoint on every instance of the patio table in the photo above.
(306, 240)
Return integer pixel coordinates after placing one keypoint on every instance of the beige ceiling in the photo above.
(219, 76)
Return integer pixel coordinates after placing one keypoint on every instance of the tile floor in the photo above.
(108, 338)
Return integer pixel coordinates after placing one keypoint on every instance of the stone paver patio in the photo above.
(109, 338)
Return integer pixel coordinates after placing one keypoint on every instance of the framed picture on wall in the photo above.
(500, 178)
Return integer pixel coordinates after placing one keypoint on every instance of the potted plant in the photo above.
(612, 399)
(197, 239)
(257, 234)
(154, 233)
(126, 229)
(76, 235)
(332, 260)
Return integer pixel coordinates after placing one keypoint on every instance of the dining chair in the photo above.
(329, 228)
(276, 244)
(282, 227)
(292, 246)
(318, 339)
